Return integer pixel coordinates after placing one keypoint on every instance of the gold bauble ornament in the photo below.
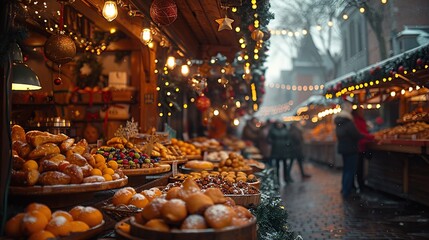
(60, 48)
(257, 35)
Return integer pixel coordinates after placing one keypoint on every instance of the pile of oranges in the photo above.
(186, 148)
(38, 222)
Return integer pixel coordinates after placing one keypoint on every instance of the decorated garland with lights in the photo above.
(408, 63)
(271, 215)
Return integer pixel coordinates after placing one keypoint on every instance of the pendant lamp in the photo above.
(23, 78)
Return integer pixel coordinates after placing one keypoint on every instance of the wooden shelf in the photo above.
(97, 120)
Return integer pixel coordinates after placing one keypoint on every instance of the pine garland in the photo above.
(271, 215)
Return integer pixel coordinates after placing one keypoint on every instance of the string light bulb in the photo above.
(146, 36)
(184, 69)
(110, 10)
(171, 62)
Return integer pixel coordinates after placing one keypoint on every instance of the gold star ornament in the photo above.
(224, 23)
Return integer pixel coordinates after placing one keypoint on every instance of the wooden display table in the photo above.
(401, 168)
(323, 152)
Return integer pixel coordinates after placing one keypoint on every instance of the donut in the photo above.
(229, 201)
(194, 221)
(158, 224)
(174, 211)
(238, 222)
(219, 216)
(65, 214)
(153, 209)
(198, 202)
(150, 194)
(216, 195)
(242, 212)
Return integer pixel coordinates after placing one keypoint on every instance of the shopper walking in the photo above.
(264, 144)
(360, 122)
(278, 137)
(251, 131)
(348, 137)
(295, 145)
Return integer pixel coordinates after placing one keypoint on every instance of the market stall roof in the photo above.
(408, 70)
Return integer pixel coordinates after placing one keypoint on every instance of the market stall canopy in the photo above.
(402, 74)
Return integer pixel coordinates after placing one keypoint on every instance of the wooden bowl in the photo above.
(246, 232)
(246, 200)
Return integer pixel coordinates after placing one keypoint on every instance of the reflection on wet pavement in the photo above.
(317, 210)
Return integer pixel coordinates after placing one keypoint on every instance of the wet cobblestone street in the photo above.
(317, 210)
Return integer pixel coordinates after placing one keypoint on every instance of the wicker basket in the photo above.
(120, 212)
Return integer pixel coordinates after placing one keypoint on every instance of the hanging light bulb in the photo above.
(171, 62)
(146, 36)
(110, 10)
(185, 70)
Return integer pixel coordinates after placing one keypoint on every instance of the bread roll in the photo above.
(219, 216)
(75, 173)
(76, 158)
(57, 158)
(198, 203)
(37, 138)
(22, 148)
(17, 162)
(153, 209)
(194, 221)
(66, 144)
(86, 170)
(93, 179)
(54, 178)
(44, 150)
(216, 195)
(18, 134)
(174, 211)
(47, 165)
(24, 178)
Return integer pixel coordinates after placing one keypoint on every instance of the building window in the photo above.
(360, 36)
(352, 38)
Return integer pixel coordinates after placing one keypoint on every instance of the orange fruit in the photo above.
(42, 235)
(139, 200)
(122, 196)
(41, 208)
(113, 164)
(30, 165)
(59, 226)
(130, 189)
(107, 177)
(91, 216)
(96, 172)
(13, 226)
(65, 214)
(76, 211)
(109, 171)
(33, 222)
(78, 226)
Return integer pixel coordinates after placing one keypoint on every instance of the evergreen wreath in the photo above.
(93, 78)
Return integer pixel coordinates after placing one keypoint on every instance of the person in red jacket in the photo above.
(360, 122)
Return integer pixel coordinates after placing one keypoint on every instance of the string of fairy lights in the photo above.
(276, 109)
(347, 90)
(290, 87)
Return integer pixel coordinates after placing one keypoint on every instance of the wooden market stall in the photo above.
(106, 89)
(398, 86)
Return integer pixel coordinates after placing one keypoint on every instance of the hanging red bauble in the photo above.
(163, 12)
(251, 28)
(419, 61)
(401, 69)
(58, 81)
(60, 48)
(203, 103)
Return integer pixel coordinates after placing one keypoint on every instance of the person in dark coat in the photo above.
(295, 149)
(251, 131)
(264, 144)
(348, 137)
(278, 137)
